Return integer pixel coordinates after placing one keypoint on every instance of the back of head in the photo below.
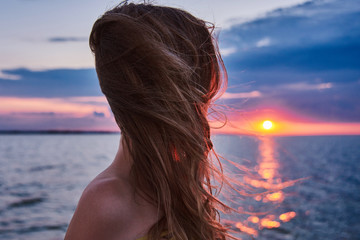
(159, 68)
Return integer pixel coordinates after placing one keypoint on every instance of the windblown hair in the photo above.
(160, 69)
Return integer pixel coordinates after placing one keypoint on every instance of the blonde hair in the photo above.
(160, 69)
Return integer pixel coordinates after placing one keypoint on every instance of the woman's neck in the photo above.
(122, 162)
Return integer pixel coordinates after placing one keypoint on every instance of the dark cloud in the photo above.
(67, 39)
(319, 35)
(304, 58)
(38, 122)
(51, 83)
(312, 58)
(98, 114)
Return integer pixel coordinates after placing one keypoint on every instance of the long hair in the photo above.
(160, 69)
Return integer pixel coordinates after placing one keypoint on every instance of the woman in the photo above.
(159, 68)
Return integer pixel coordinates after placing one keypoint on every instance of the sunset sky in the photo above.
(294, 63)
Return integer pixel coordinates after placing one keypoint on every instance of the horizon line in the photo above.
(69, 131)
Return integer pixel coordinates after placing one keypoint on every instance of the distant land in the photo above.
(56, 132)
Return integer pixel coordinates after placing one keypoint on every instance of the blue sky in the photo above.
(296, 56)
(28, 26)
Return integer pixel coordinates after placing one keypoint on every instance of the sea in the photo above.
(301, 187)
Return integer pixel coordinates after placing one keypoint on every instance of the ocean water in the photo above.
(306, 187)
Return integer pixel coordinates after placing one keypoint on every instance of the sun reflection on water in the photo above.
(269, 182)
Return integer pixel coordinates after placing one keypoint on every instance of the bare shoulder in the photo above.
(107, 196)
(102, 211)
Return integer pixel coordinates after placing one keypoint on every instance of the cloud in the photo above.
(56, 122)
(339, 103)
(50, 83)
(317, 35)
(98, 114)
(264, 42)
(315, 58)
(301, 86)
(253, 94)
(302, 58)
(67, 39)
(95, 101)
(227, 51)
(58, 106)
(335, 104)
(7, 76)
(39, 114)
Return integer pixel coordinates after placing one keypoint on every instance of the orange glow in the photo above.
(68, 113)
(267, 124)
(253, 219)
(284, 123)
(266, 185)
(276, 196)
(246, 229)
(267, 223)
(258, 198)
(268, 165)
(285, 217)
(267, 173)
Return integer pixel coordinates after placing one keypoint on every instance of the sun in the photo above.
(267, 125)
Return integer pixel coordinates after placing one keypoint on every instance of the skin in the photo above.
(109, 209)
